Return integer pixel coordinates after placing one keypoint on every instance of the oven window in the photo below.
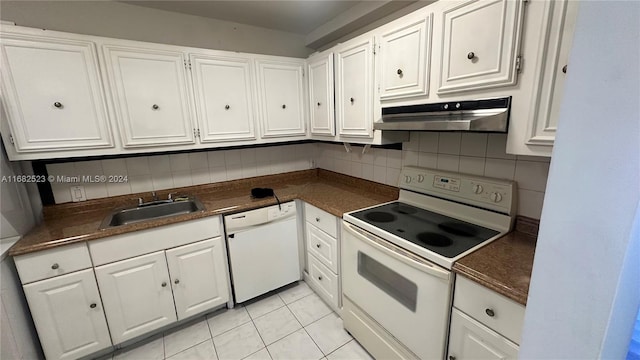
(389, 281)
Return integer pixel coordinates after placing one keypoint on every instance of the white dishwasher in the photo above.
(263, 250)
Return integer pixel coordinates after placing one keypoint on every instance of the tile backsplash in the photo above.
(472, 153)
(158, 172)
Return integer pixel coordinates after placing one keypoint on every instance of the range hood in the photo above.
(489, 115)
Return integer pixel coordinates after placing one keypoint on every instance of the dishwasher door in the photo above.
(263, 250)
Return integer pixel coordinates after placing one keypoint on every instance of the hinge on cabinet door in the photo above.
(189, 64)
(518, 63)
(196, 132)
(11, 139)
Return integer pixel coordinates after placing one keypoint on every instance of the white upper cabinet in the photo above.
(321, 102)
(405, 53)
(52, 94)
(281, 97)
(480, 45)
(151, 95)
(542, 128)
(223, 91)
(354, 87)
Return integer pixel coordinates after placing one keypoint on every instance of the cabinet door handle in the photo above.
(55, 266)
(320, 278)
(318, 103)
(176, 281)
(352, 100)
(451, 357)
(155, 107)
(164, 284)
(317, 219)
(58, 104)
(93, 306)
(490, 312)
(471, 55)
(564, 69)
(399, 72)
(284, 106)
(227, 107)
(318, 246)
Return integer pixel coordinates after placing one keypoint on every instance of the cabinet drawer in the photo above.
(49, 263)
(501, 314)
(323, 247)
(322, 219)
(324, 281)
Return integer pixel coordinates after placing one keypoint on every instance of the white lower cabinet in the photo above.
(193, 291)
(470, 339)
(68, 315)
(322, 244)
(136, 295)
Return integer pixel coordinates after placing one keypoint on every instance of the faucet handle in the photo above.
(171, 195)
(140, 201)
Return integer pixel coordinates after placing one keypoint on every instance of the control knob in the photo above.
(420, 178)
(407, 179)
(496, 197)
(477, 189)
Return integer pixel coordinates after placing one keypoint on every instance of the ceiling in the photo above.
(295, 16)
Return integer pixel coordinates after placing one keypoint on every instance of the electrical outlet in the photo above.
(78, 193)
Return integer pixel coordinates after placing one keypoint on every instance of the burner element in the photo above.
(434, 239)
(458, 228)
(379, 216)
(403, 209)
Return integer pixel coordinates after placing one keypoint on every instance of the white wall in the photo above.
(159, 172)
(584, 294)
(120, 20)
(477, 154)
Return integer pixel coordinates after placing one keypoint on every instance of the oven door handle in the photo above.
(398, 253)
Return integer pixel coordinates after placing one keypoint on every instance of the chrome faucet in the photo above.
(154, 196)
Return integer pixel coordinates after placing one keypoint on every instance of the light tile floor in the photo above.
(291, 324)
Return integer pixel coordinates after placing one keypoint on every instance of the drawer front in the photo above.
(49, 263)
(324, 281)
(501, 314)
(322, 219)
(323, 246)
(136, 243)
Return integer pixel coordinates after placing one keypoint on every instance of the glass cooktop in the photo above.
(439, 233)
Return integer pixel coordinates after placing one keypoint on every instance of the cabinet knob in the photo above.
(471, 55)
(93, 306)
(58, 104)
(451, 357)
(490, 312)
(320, 278)
(318, 103)
(284, 106)
(564, 69)
(227, 107)
(176, 281)
(155, 107)
(399, 72)
(317, 219)
(55, 266)
(352, 100)
(164, 284)
(318, 246)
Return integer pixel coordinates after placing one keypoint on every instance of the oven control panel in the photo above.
(489, 193)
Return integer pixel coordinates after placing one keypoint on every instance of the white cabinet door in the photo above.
(480, 45)
(198, 276)
(223, 96)
(405, 53)
(542, 129)
(53, 95)
(68, 315)
(136, 295)
(354, 88)
(151, 96)
(281, 98)
(321, 102)
(468, 339)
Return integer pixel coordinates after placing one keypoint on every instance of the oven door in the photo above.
(407, 295)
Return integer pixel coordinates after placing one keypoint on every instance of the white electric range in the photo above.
(397, 258)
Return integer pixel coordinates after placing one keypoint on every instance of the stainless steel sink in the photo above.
(152, 211)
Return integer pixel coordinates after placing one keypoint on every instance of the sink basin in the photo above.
(151, 212)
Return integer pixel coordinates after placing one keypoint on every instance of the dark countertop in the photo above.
(503, 265)
(335, 193)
